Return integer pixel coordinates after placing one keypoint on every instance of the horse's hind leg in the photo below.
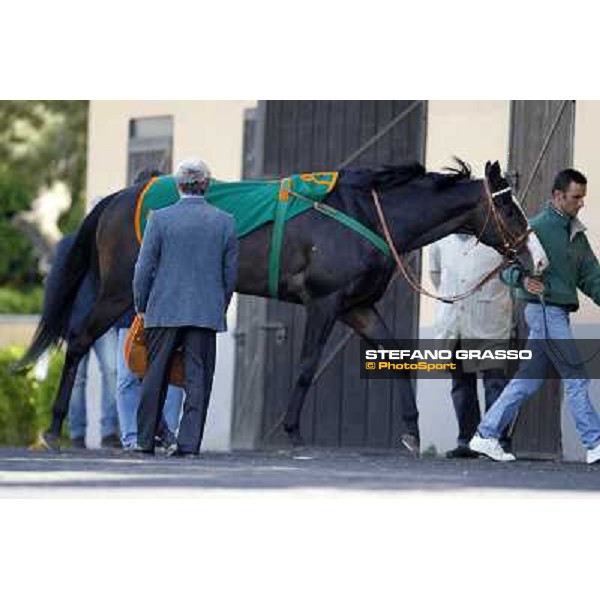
(320, 321)
(103, 315)
(75, 352)
(367, 323)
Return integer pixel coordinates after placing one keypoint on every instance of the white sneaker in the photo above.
(491, 448)
(593, 455)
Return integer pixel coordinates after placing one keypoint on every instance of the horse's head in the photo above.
(503, 223)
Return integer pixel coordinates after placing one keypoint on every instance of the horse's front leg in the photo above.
(367, 323)
(320, 320)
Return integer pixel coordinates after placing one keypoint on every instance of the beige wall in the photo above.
(475, 131)
(17, 330)
(210, 129)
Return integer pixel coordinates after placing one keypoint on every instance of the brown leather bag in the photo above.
(136, 354)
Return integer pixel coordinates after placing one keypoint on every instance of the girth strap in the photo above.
(325, 209)
(275, 250)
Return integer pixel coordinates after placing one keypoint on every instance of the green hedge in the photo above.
(18, 264)
(19, 302)
(25, 403)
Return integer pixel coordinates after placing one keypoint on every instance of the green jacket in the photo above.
(572, 262)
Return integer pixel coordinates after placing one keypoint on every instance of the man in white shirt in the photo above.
(457, 264)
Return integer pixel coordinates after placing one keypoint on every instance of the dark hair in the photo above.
(564, 178)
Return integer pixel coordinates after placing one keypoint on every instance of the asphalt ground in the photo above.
(296, 473)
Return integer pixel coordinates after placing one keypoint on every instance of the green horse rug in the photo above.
(253, 203)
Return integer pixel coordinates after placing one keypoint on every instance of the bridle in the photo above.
(510, 243)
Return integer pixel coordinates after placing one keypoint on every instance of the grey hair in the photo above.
(192, 175)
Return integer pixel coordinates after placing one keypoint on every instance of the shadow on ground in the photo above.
(284, 470)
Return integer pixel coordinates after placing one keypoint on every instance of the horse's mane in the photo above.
(391, 176)
(452, 175)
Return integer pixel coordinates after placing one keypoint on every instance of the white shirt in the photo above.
(457, 264)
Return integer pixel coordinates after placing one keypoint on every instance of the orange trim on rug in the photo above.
(329, 178)
(284, 189)
(138, 210)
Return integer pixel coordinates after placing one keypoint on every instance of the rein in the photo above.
(510, 246)
(555, 348)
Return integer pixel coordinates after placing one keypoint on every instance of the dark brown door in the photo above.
(341, 408)
(541, 144)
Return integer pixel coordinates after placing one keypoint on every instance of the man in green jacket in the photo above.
(573, 265)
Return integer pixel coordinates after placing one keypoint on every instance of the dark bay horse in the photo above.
(330, 269)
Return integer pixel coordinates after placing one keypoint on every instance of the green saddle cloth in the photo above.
(254, 203)
(251, 203)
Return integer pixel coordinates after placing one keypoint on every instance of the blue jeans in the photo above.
(105, 349)
(531, 373)
(129, 387)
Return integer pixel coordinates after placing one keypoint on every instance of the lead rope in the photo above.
(555, 347)
(410, 278)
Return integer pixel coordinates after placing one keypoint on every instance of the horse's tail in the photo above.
(58, 302)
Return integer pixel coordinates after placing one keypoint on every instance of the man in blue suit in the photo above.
(129, 385)
(184, 278)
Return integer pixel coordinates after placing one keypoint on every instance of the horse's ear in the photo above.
(493, 170)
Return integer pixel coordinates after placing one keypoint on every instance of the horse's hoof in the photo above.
(411, 444)
(47, 442)
(294, 436)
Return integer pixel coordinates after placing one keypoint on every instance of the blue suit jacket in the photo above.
(187, 267)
